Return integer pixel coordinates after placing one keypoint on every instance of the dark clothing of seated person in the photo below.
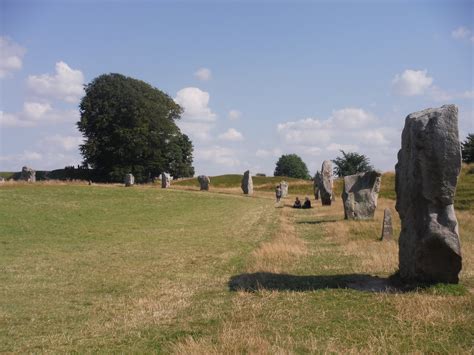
(297, 203)
(307, 203)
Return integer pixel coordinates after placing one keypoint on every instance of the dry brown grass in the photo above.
(276, 254)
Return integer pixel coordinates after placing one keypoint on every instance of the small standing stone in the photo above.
(204, 182)
(284, 188)
(129, 180)
(326, 185)
(2, 180)
(247, 183)
(28, 174)
(387, 229)
(165, 180)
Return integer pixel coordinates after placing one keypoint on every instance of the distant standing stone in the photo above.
(284, 188)
(28, 174)
(165, 180)
(204, 182)
(360, 194)
(247, 183)
(2, 180)
(326, 183)
(429, 163)
(387, 228)
(316, 184)
(129, 180)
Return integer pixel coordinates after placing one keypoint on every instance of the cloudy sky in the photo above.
(256, 79)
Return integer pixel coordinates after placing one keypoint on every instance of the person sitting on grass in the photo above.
(297, 203)
(307, 203)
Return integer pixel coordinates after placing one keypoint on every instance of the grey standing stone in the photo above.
(429, 163)
(316, 184)
(165, 180)
(360, 194)
(2, 180)
(204, 182)
(28, 174)
(284, 188)
(325, 188)
(387, 227)
(129, 180)
(247, 183)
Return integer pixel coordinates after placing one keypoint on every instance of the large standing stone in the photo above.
(284, 188)
(129, 180)
(165, 180)
(2, 179)
(428, 167)
(316, 184)
(204, 181)
(28, 174)
(247, 183)
(360, 194)
(387, 228)
(325, 188)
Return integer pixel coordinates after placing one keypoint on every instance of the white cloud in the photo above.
(231, 135)
(35, 113)
(234, 115)
(352, 117)
(198, 119)
(461, 33)
(67, 143)
(264, 153)
(203, 74)
(11, 56)
(348, 129)
(21, 159)
(218, 155)
(334, 147)
(66, 84)
(411, 82)
(195, 104)
(441, 95)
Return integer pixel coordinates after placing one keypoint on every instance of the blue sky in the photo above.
(256, 79)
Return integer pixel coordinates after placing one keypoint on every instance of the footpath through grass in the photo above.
(113, 269)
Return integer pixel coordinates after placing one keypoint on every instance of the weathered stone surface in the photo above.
(429, 163)
(325, 188)
(2, 180)
(247, 183)
(28, 174)
(204, 181)
(360, 194)
(387, 227)
(165, 180)
(129, 180)
(316, 184)
(284, 188)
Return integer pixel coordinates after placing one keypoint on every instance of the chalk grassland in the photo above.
(95, 269)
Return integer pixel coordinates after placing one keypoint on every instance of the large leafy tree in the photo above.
(467, 148)
(351, 163)
(291, 165)
(129, 127)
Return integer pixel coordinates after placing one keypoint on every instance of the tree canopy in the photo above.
(467, 148)
(129, 127)
(351, 163)
(291, 165)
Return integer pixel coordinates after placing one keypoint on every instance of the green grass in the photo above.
(143, 269)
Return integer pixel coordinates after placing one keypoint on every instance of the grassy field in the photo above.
(112, 269)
